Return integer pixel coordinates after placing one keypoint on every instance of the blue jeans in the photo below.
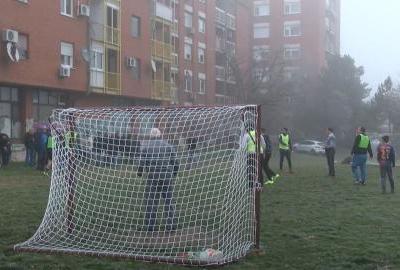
(159, 184)
(359, 167)
(30, 157)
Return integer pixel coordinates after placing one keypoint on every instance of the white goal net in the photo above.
(156, 184)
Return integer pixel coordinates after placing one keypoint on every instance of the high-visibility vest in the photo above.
(251, 143)
(50, 142)
(364, 141)
(70, 138)
(285, 140)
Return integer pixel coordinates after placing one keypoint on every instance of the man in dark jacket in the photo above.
(285, 149)
(362, 145)
(30, 148)
(271, 175)
(387, 159)
(5, 149)
(158, 160)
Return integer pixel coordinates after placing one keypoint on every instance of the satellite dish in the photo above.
(85, 55)
(13, 52)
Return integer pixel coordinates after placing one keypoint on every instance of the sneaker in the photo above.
(357, 182)
(269, 182)
(276, 177)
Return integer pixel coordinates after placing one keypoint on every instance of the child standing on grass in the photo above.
(386, 160)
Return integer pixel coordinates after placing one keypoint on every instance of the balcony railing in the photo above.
(161, 90)
(220, 16)
(113, 82)
(220, 44)
(230, 21)
(161, 50)
(112, 35)
(220, 73)
(230, 47)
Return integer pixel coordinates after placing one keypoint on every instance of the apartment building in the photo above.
(297, 33)
(87, 53)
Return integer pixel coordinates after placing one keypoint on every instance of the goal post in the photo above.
(161, 184)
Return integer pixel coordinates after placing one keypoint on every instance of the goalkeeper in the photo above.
(158, 161)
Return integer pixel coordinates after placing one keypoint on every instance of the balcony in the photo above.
(175, 59)
(163, 12)
(220, 16)
(230, 21)
(161, 50)
(161, 90)
(112, 35)
(220, 73)
(220, 44)
(175, 28)
(113, 83)
(230, 47)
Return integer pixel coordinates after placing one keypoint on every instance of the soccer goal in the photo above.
(169, 184)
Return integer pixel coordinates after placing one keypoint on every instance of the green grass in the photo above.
(309, 221)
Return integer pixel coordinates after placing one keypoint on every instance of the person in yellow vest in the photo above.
(285, 149)
(362, 145)
(249, 142)
(49, 146)
(70, 139)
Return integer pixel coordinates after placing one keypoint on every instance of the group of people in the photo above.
(359, 152)
(39, 148)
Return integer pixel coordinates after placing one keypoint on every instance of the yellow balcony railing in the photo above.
(113, 82)
(161, 50)
(112, 35)
(161, 90)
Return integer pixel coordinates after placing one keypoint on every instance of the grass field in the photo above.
(309, 221)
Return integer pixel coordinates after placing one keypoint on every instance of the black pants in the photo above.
(265, 165)
(285, 153)
(386, 170)
(330, 157)
(252, 169)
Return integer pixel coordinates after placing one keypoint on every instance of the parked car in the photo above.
(309, 146)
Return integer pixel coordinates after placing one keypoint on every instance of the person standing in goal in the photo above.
(158, 160)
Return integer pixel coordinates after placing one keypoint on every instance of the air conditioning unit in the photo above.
(131, 62)
(84, 10)
(10, 36)
(65, 71)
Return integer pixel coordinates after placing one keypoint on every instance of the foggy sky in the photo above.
(371, 35)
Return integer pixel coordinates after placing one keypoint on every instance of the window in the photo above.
(96, 60)
(22, 46)
(188, 80)
(188, 51)
(261, 74)
(112, 61)
(261, 8)
(202, 1)
(66, 7)
(260, 53)
(188, 20)
(292, 29)
(112, 17)
(202, 83)
(292, 51)
(44, 102)
(67, 54)
(292, 7)
(10, 123)
(261, 30)
(202, 55)
(135, 24)
(202, 25)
